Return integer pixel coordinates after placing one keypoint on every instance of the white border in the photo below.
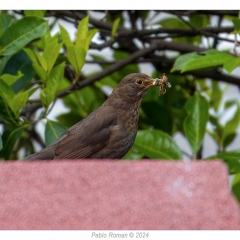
(122, 4)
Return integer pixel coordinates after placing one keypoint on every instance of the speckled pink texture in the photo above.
(111, 195)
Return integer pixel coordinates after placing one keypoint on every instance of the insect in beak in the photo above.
(162, 82)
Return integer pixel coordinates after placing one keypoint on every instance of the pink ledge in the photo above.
(116, 195)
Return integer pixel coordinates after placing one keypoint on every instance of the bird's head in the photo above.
(134, 86)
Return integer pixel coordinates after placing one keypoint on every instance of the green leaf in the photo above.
(46, 39)
(199, 20)
(115, 27)
(20, 62)
(133, 154)
(6, 91)
(3, 62)
(82, 32)
(55, 78)
(10, 79)
(53, 83)
(40, 71)
(236, 22)
(234, 154)
(21, 33)
(57, 73)
(31, 55)
(14, 102)
(9, 138)
(157, 145)
(84, 36)
(236, 186)
(19, 101)
(83, 43)
(216, 95)
(53, 131)
(86, 42)
(195, 122)
(65, 36)
(76, 56)
(41, 60)
(208, 61)
(5, 21)
(233, 165)
(36, 13)
(45, 98)
(173, 23)
(50, 53)
(231, 64)
(91, 34)
(229, 131)
(6, 114)
(182, 60)
(231, 158)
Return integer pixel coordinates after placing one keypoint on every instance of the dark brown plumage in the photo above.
(109, 131)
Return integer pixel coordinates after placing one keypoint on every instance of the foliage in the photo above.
(38, 68)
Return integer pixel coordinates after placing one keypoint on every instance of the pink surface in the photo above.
(116, 195)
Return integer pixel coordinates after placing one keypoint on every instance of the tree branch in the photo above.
(114, 67)
(189, 32)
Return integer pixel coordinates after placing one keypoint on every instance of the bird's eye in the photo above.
(139, 81)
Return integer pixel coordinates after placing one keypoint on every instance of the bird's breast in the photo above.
(123, 133)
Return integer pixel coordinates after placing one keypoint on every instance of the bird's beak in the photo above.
(155, 81)
(151, 82)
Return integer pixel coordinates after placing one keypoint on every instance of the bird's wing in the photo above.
(88, 136)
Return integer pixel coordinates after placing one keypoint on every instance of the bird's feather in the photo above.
(92, 136)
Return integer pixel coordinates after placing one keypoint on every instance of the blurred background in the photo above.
(197, 50)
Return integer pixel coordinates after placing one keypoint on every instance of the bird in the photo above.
(109, 131)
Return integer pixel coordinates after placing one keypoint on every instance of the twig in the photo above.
(101, 46)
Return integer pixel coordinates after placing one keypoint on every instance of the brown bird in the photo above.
(109, 131)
